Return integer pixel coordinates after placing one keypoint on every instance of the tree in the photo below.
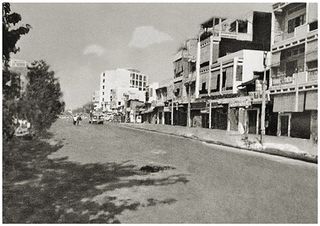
(42, 102)
(10, 34)
(10, 80)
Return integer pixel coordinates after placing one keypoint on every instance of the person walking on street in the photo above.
(75, 119)
(78, 119)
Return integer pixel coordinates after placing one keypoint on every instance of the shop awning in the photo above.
(311, 100)
(148, 111)
(286, 102)
(198, 105)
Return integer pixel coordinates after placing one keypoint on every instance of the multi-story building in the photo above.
(220, 37)
(95, 99)
(115, 84)
(163, 108)
(184, 81)
(149, 115)
(227, 108)
(294, 69)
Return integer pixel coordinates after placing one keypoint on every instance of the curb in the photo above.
(272, 151)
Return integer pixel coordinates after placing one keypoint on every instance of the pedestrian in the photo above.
(75, 118)
(78, 119)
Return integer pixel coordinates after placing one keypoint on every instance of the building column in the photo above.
(279, 124)
(228, 118)
(210, 104)
(198, 69)
(220, 80)
(172, 109)
(158, 117)
(189, 107)
(210, 62)
(162, 118)
(314, 126)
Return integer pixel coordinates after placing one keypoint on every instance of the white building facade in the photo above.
(119, 84)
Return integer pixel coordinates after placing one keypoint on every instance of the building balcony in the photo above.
(286, 40)
(298, 79)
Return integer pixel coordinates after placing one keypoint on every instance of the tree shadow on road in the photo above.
(37, 189)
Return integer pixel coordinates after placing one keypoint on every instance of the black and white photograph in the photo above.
(152, 112)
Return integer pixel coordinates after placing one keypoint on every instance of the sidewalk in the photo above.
(295, 148)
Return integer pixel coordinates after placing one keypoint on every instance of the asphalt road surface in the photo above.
(209, 183)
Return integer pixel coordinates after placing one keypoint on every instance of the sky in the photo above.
(81, 40)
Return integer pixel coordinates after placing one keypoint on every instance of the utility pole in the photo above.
(172, 109)
(263, 104)
(189, 106)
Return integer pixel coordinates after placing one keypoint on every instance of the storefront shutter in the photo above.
(312, 51)
(311, 100)
(286, 102)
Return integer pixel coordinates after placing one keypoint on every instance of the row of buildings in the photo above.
(254, 74)
(121, 91)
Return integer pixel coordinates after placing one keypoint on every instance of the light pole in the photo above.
(263, 104)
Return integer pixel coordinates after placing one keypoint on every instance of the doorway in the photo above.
(253, 121)
(284, 124)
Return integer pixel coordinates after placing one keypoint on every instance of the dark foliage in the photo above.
(10, 80)
(41, 103)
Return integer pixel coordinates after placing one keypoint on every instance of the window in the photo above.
(103, 80)
(224, 78)
(144, 84)
(239, 73)
(137, 76)
(218, 83)
(136, 82)
(144, 78)
(102, 99)
(119, 103)
(291, 67)
(140, 83)
(140, 88)
(103, 74)
(313, 25)
(312, 64)
(203, 86)
(295, 22)
(301, 50)
(102, 93)
(102, 87)
(140, 77)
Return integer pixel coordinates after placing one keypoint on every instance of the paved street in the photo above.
(209, 184)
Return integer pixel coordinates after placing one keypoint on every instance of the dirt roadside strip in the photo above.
(303, 156)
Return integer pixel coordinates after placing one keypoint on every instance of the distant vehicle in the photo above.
(108, 117)
(96, 118)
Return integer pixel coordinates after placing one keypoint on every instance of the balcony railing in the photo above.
(296, 78)
(313, 75)
(283, 36)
